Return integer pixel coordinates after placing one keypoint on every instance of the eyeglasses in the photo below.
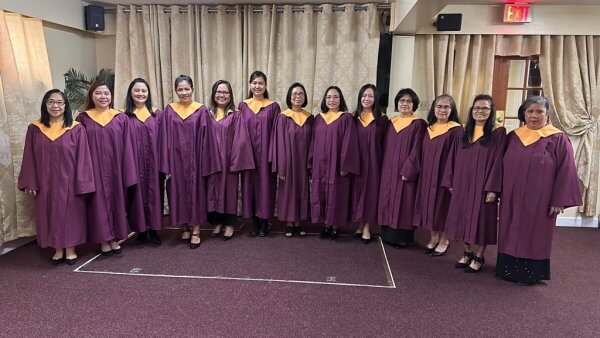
(405, 101)
(298, 94)
(222, 94)
(444, 107)
(57, 103)
(484, 109)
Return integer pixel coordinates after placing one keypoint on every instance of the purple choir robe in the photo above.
(187, 153)
(61, 173)
(401, 157)
(144, 207)
(291, 158)
(235, 154)
(365, 187)
(259, 185)
(433, 200)
(536, 177)
(334, 150)
(114, 172)
(477, 170)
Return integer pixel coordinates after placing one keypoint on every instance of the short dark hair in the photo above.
(431, 119)
(182, 78)
(89, 102)
(256, 74)
(130, 105)
(488, 126)
(528, 102)
(414, 97)
(45, 116)
(343, 106)
(213, 102)
(376, 105)
(288, 97)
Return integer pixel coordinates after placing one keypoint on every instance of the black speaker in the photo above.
(94, 18)
(384, 65)
(448, 22)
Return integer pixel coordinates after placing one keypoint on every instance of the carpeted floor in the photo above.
(430, 297)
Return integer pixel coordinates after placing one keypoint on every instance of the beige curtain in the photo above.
(459, 65)
(570, 68)
(24, 78)
(318, 49)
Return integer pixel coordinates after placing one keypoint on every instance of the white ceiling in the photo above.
(444, 2)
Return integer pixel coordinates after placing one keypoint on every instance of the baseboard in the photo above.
(10, 246)
(578, 222)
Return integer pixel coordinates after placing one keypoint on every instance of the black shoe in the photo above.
(440, 253)
(289, 231)
(326, 232)
(116, 251)
(263, 231)
(154, 238)
(195, 245)
(107, 253)
(186, 240)
(226, 238)
(57, 262)
(429, 251)
(142, 238)
(216, 234)
(399, 245)
(479, 260)
(357, 234)
(298, 231)
(334, 235)
(72, 261)
(469, 256)
(366, 240)
(256, 224)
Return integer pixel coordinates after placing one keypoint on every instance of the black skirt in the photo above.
(396, 236)
(522, 270)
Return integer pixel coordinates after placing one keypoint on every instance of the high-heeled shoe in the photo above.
(479, 260)
(428, 250)
(439, 253)
(183, 233)
(216, 234)
(71, 261)
(195, 245)
(366, 240)
(469, 256)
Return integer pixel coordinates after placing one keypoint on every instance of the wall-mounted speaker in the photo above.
(448, 22)
(94, 18)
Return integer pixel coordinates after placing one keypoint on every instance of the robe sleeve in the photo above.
(163, 144)
(350, 157)
(84, 170)
(277, 147)
(565, 188)
(493, 182)
(412, 166)
(456, 143)
(130, 172)
(241, 150)
(28, 176)
(208, 152)
(310, 144)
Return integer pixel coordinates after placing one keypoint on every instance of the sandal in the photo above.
(289, 231)
(469, 256)
(195, 245)
(479, 260)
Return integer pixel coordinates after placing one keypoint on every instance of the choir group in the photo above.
(95, 178)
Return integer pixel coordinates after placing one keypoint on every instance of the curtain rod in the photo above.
(278, 8)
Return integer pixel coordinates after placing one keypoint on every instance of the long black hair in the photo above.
(343, 106)
(45, 116)
(256, 74)
(487, 127)
(130, 105)
(431, 119)
(376, 105)
(213, 102)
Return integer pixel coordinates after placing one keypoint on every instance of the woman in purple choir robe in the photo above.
(400, 171)
(187, 156)
(291, 157)
(335, 159)
(114, 168)
(475, 181)
(57, 171)
(370, 125)
(235, 154)
(258, 113)
(539, 181)
(433, 200)
(144, 207)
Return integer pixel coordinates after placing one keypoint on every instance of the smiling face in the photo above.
(222, 96)
(184, 92)
(56, 106)
(536, 116)
(139, 93)
(442, 110)
(332, 100)
(368, 99)
(258, 87)
(481, 111)
(101, 98)
(405, 105)
(298, 97)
